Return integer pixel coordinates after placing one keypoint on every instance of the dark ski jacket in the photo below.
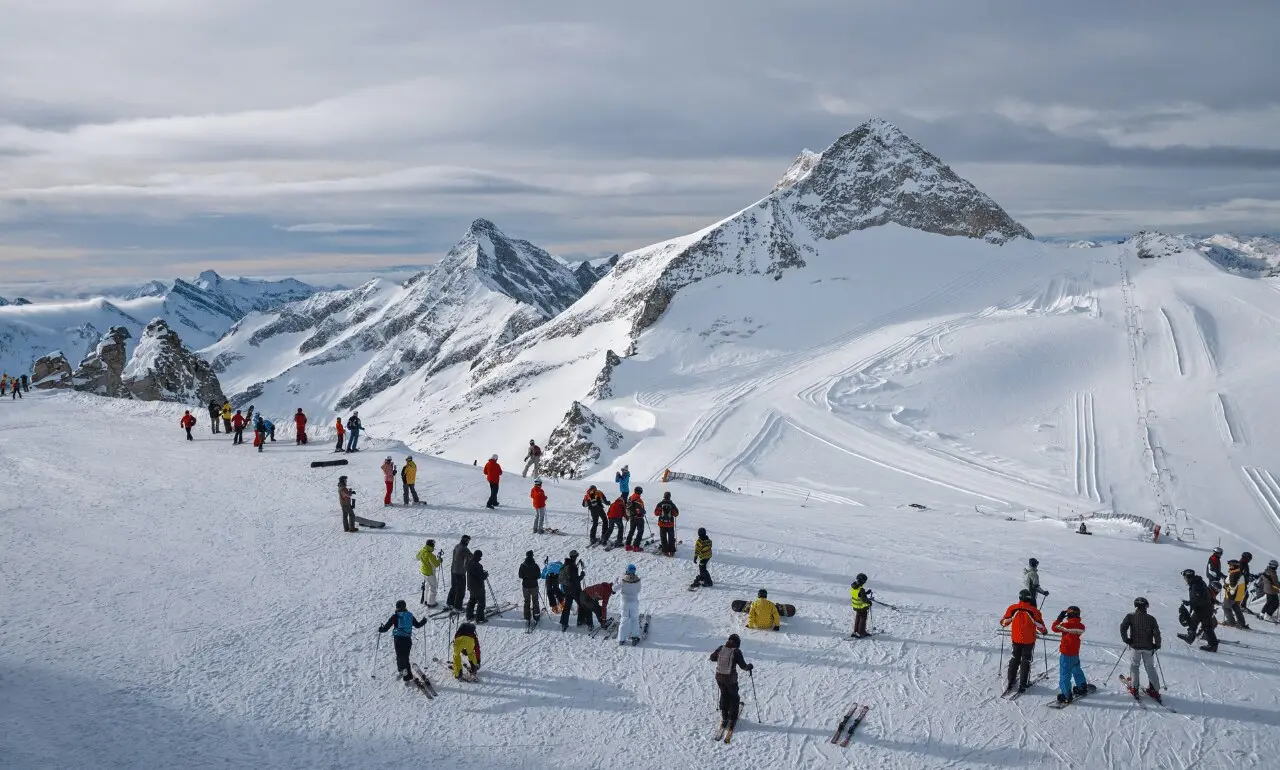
(353, 424)
(461, 555)
(1213, 569)
(404, 622)
(728, 660)
(1198, 595)
(1140, 631)
(666, 511)
(530, 573)
(571, 578)
(476, 575)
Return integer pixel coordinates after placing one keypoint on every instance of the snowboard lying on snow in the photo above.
(370, 523)
(327, 463)
(785, 610)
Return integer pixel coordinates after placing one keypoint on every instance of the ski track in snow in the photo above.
(1232, 433)
(1174, 342)
(1267, 491)
(1086, 444)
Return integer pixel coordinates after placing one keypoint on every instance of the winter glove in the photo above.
(777, 628)
(1062, 616)
(751, 667)
(1044, 592)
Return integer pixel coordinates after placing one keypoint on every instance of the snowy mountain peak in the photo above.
(513, 267)
(799, 169)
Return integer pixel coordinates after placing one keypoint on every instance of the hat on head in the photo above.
(400, 604)
(528, 554)
(494, 457)
(631, 569)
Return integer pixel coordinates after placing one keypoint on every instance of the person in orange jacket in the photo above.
(539, 499)
(1072, 629)
(493, 473)
(188, 422)
(299, 427)
(1023, 621)
(341, 433)
(613, 523)
(237, 427)
(595, 501)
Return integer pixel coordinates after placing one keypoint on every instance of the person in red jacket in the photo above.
(299, 427)
(341, 433)
(389, 476)
(188, 422)
(493, 473)
(1068, 624)
(237, 426)
(613, 522)
(1023, 621)
(539, 499)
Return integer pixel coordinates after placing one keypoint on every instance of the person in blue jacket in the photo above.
(270, 428)
(623, 477)
(551, 578)
(403, 621)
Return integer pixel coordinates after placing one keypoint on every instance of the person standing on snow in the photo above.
(551, 581)
(1271, 590)
(532, 459)
(1233, 606)
(636, 514)
(403, 621)
(299, 427)
(570, 587)
(594, 501)
(613, 523)
(429, 561)
(492, 474)
(226, 417)
(408, 478)
(188, 422)
(1031, 580)
(466, 644)
(476, 577)
(1071, 628)
(702, 556)
(346, 501)
(728, 659)
(458, 574)
(215, 412)
(1141, 633)
(860, 596)
(1200, 612)
(26, 384)
(388, 477)
(529, 574)
(629, 624)
(539, 499)
(623, 478)
(259, 432)
(1213, 568)
(1023, 621)
(354, 426)
(666, 511)
(341, 432)
(237, 426)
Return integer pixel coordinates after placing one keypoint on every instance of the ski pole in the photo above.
(889, 606)
(1044, 643)
(373, 663)
(1119, 658)
(752, 676)
(1160, 667)
(1001, 658)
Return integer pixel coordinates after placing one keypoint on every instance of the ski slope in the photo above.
(198, 600)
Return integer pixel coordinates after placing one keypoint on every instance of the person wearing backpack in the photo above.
(570, 587)
(532, 459)
(666, 511)
(594, 501)
(403, 621)
(551, 580)
(214, 412)
(636, 514)
(613, 523)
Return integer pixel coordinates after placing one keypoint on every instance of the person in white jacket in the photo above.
(629, 623)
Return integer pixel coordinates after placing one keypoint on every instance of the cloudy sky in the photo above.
(152, 138)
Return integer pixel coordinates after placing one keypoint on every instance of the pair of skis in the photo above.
(466, 674)
(1137, 696)
(1012, 693)
(421, 681)
(1055, 704)
(852, 718)
(725, 731)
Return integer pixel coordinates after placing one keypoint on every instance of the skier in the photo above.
(529, 575)
(1141, 633)
(1213, 569)
(226, 416)
(1200, 612)
(1023, 621)
(636, 512)
(666, 511)
(1071, 628)
(237, 424)
(466, 643)
(389, 478)
(539, 499)
(860, 595)
(341, 432)
(1246, 559)
(1270, 589)
(493, 473)
(551, 579)
(532, 459)
(623, 478)
(429, 562)
(299, 427)
(26, 384)
(188, 422)
(458, 574)
(346, 501)
(408, 479)
(353, 427)
(570, 587)
(17, 391)
(594, 501)
(613, 522)
(1233, 606)
(476, 577)
(214, 412)
(403, 621)
(594, 602)
(259, 433)
(728, 659)
(702, 556)
(1031, 580)
(629, 625)
(763, 614)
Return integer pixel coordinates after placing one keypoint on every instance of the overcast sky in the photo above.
(153, 138)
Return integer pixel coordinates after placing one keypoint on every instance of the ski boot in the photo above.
(1209, 647)
(1064, 699)
(1152, 693)
(1188, 638)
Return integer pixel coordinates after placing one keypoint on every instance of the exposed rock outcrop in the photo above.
(574, 447)
(163, 369)
(100, 372)
(51, 371)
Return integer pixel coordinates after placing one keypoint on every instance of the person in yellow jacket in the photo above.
(860, 595)
(1237, 588)
(762, 614)
(466, 643)
(409, 477)
(429, 561)
(226, 415)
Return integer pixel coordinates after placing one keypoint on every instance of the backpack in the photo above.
(537, 451)
(404, 623)
(724, 661)
(565, 573)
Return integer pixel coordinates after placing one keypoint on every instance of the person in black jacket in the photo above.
(215, 411)
(594, 501)
(666, 511)
(404, 622)
(476, 575)
(1141, 633)
(1201, 612)
(530, 574)
(728, 659)
(1213, 568)
(570, 586)
(458, 574)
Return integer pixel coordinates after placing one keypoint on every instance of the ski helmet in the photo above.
(666, 495)
(573, 554)
(342, 479)
(733, 641)
(631, 569)
(1218, 551)
(537, 482)
(762, 594)
(409, 459)
(1034, 563)
(1073, 611)
(1233, 563)
(1273, 564)
(702, 531)
(1215, 586)
(1188, 573)
(591, 488)
(1024, 595)
(860, 579)
(494, 458)
(400, 605)
(476, 554)
(528, 554)
(466, 538)
(1246, 556)
(530, 442)
(639, 490)
(431, 544)
(1141, 603)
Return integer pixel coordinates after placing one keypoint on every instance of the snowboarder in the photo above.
(346, 501)
(226, 416)
(532, 459)
(623, 478)
(1023, 621)
(1213, 568)
(666, 511)
(551, 580)
(629, 624)
(1141, 633)
(237, 425)
(466, 644)
(613, 524)
(259, 432)
(389, 478)
(1083, 530)
(493, 473)
(354, 427)
(860, 595)
(408, 478)
(403, 621)
(728, 659)
(1071, 628)
(341, 433)
(1031, 580)
(539, 499)
(299, 427)
(636, 514)
(763, 614)
(1233, 606)
(1199, 618)
(458, 574)
(429, 561)
(570, 587)
(594, 501)
(1271, 590)
(476, 577)
(702, 556)
(188, 422)
(529, 574)
(215, 412)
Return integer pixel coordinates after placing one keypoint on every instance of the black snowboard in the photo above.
(370, 523)
(327, 463)
(785, 610)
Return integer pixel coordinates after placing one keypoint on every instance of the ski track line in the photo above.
(1226, 425)
(1086, 454)
(1177, 346)
(1267, 491)
(766, 435)
(1202, 321)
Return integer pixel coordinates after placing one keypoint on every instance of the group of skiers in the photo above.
(14, 387)
(234, 421)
